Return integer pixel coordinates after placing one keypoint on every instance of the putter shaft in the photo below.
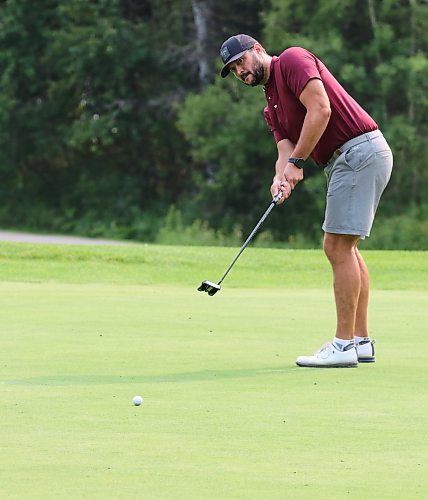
(253, 232)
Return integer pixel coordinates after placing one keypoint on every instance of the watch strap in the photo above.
(299, 162)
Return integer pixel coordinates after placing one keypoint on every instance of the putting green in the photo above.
(226, 413)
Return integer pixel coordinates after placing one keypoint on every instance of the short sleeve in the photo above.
(298, 66)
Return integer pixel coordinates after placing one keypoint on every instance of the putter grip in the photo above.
(277, 197)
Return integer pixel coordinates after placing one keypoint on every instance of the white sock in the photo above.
(360, 339)
(342, 343)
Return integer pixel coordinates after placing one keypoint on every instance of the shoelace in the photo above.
(324, 347)
(328, 345)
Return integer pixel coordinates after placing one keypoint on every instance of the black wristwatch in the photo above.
(299, 162)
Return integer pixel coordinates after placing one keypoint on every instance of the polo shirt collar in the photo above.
(272, 73)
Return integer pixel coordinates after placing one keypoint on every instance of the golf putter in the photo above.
(212, 288)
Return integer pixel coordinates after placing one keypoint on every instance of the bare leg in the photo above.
(342, 254)
(361, 319)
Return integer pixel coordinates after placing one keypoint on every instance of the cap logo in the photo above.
(225, 54)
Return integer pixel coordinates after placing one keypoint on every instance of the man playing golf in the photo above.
(311, 115)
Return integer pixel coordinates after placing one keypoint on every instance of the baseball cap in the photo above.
(233, 48)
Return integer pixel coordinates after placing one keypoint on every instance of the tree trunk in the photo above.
(373, 22)
(201, 10)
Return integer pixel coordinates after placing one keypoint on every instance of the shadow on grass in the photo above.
(201, 376)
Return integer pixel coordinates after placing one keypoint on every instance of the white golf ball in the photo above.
(137, 400)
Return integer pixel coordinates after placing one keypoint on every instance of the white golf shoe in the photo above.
(365, 351)
(331, 357)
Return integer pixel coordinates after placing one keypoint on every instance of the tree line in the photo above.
(114, 120)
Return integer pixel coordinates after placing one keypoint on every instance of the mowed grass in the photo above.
(226, 413)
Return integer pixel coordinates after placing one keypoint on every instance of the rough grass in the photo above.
(175, 265)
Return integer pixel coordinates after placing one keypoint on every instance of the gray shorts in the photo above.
(356, 179)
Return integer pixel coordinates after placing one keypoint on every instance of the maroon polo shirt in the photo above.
(284, 113)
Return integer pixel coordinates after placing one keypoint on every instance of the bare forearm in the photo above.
(279, 182)
(285, 149)
(314, 125)
(279, 169)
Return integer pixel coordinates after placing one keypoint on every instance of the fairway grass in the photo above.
(226, 413)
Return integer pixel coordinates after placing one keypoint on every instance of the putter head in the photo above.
(209, 287)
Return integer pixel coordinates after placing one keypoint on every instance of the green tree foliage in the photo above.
(236, 153)
(87, 109)
(378, 51)
(107, 120)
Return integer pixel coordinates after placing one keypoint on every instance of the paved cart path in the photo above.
(56, 239)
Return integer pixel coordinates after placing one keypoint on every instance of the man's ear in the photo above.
(258, 48)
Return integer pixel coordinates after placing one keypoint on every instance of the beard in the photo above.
(258, 73)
